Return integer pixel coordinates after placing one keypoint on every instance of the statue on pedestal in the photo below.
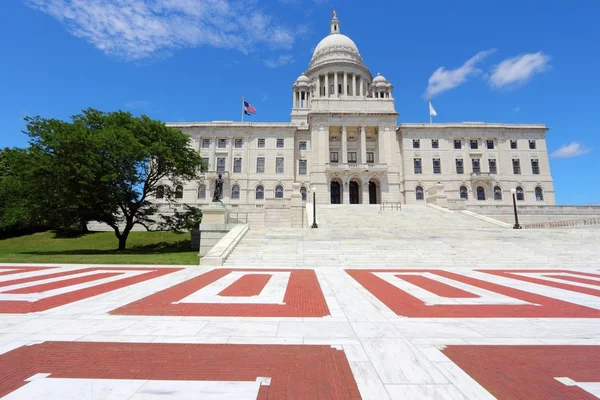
(218, 189)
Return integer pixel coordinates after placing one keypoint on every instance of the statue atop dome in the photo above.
(334, 15)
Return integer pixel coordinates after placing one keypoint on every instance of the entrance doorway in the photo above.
(336, 193)
(373, 193)
(354, 195)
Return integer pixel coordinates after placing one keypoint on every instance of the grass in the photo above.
(99, 248)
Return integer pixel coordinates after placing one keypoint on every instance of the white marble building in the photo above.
(344, 140)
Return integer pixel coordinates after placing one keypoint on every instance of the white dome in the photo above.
(303, 78)
(379, 78)
(334, 42)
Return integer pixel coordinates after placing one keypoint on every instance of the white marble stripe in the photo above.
(545, 277)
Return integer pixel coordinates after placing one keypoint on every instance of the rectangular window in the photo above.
(352, 157)
(435, 144)
(516, 167)
(460, 168)
(205, 143)
(301, 167)
(239, 143)
(490, 145)
(260, 165)
(261, 143)
(474, 144)
(221, 164)
(302, 145)
(370, 157)
(513, 144)
(417, 164)
(492, 165)
(457, 144)
(476, 165)
(205, 162)
(280, 143)
(416, 144)
(333, 157)
(279, 165)
(237, 165)
(532, 144)
(222, 143)
(535, 167)
(437, 166)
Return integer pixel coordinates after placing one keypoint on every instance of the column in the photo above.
(345, 88)
(212, 161)
(344, 145)
(363, 144)
(353, 84)
(345, 193)
(307, 104)
(381, 150)
(230, 155)
(360, 86)
(326, 85)
(319, 86)
(294, 98)
(335, 84)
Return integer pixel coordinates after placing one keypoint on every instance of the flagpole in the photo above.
(242, 108)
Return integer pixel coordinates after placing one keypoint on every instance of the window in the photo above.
(333, 157)
(221, 164)
(352, 157)
(179, 192)
(520, 193)
(435, 144)
(539, 194)
(235, 192)
(205, 143)
(437, 166)
(260, 193)
(457, 144)
(490, 144)
(205, 161)
(222, 143)
(279, 165)
(497, 193)
(160, 192)
(331, 89)
(301, 167)
(261, 143)
(302, 145)
(280, 143)
(476, 163)
(516, 167)
(474, 144)
(513, 144)
(303, 193)
(492, 166)
(417, 164)
(535, 167)
(532, 144)
(239, 143)
(370, 157)
(279, 192)
(460, 169)
(416, 143)
(237, 165)
(260, 165)
(340, 88)
(202, 192)
(480, 193)
(419, 193)
(464, 193)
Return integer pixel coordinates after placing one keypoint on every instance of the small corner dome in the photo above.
(379, 78)
(302, 81)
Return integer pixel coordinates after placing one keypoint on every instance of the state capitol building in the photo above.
(343, 141)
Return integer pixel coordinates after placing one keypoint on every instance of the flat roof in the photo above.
(478, 125)
(230, 124)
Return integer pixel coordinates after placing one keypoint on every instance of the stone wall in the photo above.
(537, 214)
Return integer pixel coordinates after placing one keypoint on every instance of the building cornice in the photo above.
(472, 125)
(230, 124)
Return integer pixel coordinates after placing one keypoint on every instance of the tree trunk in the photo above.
(124, 235)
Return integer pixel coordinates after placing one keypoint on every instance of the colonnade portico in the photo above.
(329, 84)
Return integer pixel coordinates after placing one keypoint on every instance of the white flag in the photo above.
(432, 112)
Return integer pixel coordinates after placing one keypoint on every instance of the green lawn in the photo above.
(99, 248)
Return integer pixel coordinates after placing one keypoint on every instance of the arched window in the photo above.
(520, 193)
(539, 194)
(235, 192)
(497, 193)
(160, 192)
(480, 193)
(419, 191)
(303, 193)
(279, 192)
(202, 192)
(179, 192)
(464, 193)
(260, 193)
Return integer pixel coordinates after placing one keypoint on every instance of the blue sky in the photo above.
(192, 60)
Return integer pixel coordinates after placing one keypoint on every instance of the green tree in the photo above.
(179, 222)
(106, 167)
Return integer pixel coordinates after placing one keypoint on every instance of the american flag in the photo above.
(249, 108)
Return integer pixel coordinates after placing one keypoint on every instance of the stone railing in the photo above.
(564, 224)
(457, 204)
(356, 167)
(529, 209)
(482, 176)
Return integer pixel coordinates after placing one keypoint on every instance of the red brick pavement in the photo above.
(512, 274)
(19, 269)
(528, 372)
(296, 371)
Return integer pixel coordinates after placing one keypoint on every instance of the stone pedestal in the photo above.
(215, 213)
(214, 226)
(437, 195)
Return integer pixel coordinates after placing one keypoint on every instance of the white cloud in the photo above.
(279, 61)
(573, 149)
(138, 29)
(518, 70)
(442, 79)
